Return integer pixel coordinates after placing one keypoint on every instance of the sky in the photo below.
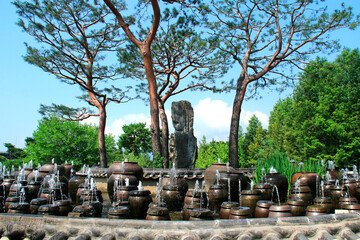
(24, 87)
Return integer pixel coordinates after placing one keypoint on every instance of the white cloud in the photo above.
(212, 120)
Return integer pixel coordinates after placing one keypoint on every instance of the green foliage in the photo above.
(136, 139)
(142, 159)
(69, 141)
(321, 120)
(14, 152)
(210, 153)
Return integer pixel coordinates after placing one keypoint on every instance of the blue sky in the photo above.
(24, 87)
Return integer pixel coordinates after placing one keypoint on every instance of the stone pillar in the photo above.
(183, 143)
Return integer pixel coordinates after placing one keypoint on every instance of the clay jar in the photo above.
(180, 182)
(96, 206)
(139, 201)
(40, 177)
(123, 193)
(355, 207)
(7, 182)
(158, 213)
(120, 177)
(336, 193)
(197, 197)
(351, 186)
(34, 188)
(297, 207)
(226, 208)
(188, 208)
(266, 190)
(91, 195)
(48, 209)
(64, 207)
(19, 208)
(312, 179)
(67, 172)
(346, 201)
(133, 167)
(172, 198)
(240, 213)
(36, 203)
(217, 195)
(200, 214)
(325, 201)
(303, 193)
(316, 210)
(73, 186)
(226, 172)
(10, 200)
(263, 208)
(249, 198)
(118, 212)
(280, 211)
(281, 182)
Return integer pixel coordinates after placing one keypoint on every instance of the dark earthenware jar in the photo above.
(263, 208)
(82, 187)
(312, 179)
(158, 213)
(226, 208)
(91, 195)
(133, 167)
(336, 193)
(196, 197)
(200, 214)
(226, 173)
(50, 167)
(17, 207)
(316, 210)
(327, 188)
(355, 207)
(34, 188)
(172, 198)
(139, 201)
(67, 172)
(346, 201)
(120, 178)
(240, 213)
(97, 207)
(119, 212)
(49, 209)
(280, 211)
(351, 186)
(7, 182)
(27, 171)
(64, 206)
(265, 189)
(10, 200)
(123, 193)
(357, 195)
(180, 182)
(40, 177)
(36, 203)
(297, 207)
(249, 198)
(188, 208)
(84, 210)
(327, 202)
(15, 191)
(303, 193)
(73, 185)
(50, 193)
(281, 182)
(217, 195)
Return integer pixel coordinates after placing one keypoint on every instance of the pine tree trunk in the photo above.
(165, 135)
(235, 122)
(101, 136)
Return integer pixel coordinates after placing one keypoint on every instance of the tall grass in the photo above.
(285, 166)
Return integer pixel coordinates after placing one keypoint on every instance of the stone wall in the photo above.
(36, 227)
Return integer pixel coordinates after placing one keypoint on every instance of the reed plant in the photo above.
(283, 165)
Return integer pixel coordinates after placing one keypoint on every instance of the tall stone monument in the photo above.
(183, 143)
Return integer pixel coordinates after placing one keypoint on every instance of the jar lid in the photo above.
(119, 210)
(39, 201)
(158, 211)
(316, 208)
(263, 186)
(251, 192)
(264, 203)
(229, 204)
(19, 206)
(171, 187)
(140, 193)
(352, 206)
(201, 213)
(218, 186)
(240, 211)
(280, 208)
(296, 202)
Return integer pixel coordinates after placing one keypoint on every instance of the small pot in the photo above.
(36, 203)
(280, 211)
(218, 194)
(226, 208)
(172, 198)
(240, 213)
(200, 214)
(119, 212)
(158, 213)
(263, 208)
(297, 207)
(316, 210)
(188, 208)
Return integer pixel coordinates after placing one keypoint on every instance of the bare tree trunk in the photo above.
(101, 136)
(235, 121)
(153, 96)
(165, 135)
